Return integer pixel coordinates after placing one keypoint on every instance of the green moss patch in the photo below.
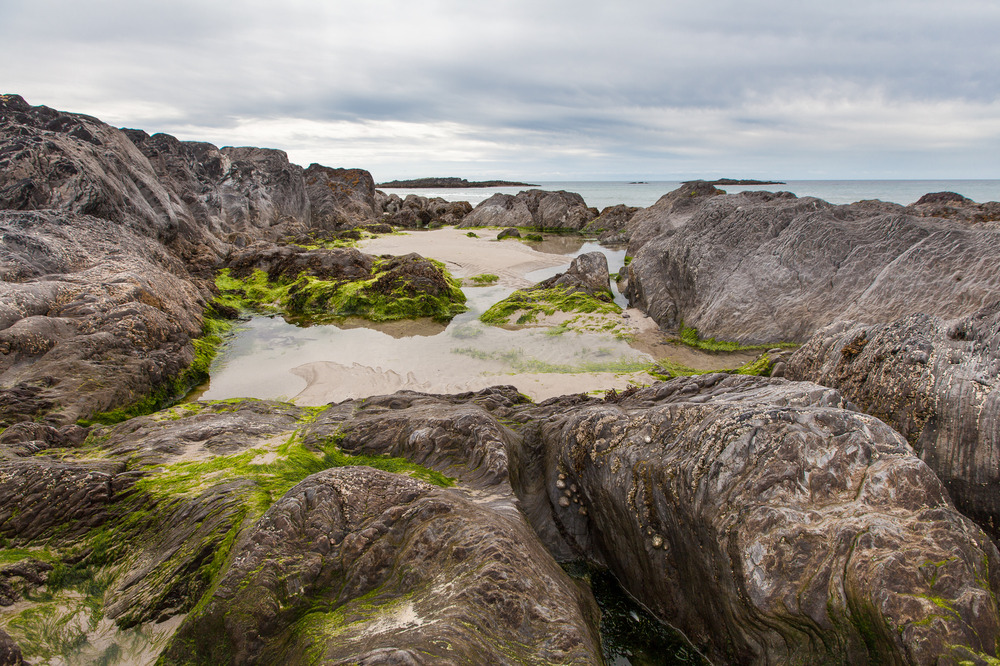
(688, 335)
(399, 288)
(529, 304)
(484, 279)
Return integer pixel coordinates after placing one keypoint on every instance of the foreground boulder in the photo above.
(767, 522)
(356, 565)
(935, 381)
(759, 267)
(532, 208)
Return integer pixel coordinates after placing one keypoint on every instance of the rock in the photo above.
(10, 653)
(759, 267)
(936, 382)
(509, 232)
(287, 262)
(587, 273)
(229, 190)
(670, 211)
(340, 198)
(532, 208)
(416, 211)
(612, 224)
(354, 562)
(765, 521)
(93, 316)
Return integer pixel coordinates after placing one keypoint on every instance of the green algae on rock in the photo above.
(380, 289)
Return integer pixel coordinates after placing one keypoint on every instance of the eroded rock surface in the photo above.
(759, 267)
(935, 381)
(587, 273)
(767, 522)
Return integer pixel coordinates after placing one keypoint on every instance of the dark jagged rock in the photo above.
(761, 267)
(765, 521)
(933, 380)
(532, 208)
(952, 206)
(340, 198)
(287, 262)
(587, 273)
(416, 211)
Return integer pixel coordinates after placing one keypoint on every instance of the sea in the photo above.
(600, 194)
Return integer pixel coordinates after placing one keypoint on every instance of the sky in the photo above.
(536, 89)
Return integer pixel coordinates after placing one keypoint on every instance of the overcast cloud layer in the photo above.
(542, 89)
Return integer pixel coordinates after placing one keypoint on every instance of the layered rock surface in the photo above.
(935, 381)
(759, 267)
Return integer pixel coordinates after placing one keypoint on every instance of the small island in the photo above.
(452, 182)
(734, 181)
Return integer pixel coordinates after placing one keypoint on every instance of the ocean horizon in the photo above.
(601, 194)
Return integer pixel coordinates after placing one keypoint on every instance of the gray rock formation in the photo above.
(764, 520)
(671, 211)
(612, 224)
(761, 267)
(936, 382)
(532, 208)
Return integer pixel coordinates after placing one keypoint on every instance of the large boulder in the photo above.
(758, 267)
(341, 198)
(92, 317)
(671, 211)
(357, 565)
(764, 520)
(532, 208)
(936, 382)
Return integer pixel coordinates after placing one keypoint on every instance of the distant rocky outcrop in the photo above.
(532, 208)
(451, 183)
(934, 380)
(735, 181)
(760, 267)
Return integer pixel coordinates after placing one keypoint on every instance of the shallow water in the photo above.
(272, 359)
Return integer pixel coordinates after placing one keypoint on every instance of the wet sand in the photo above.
(356, 358)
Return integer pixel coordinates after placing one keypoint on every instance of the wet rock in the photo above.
(509, 232)
(936, 382)
(768, 523)
(532, 208)
(761, 267)
(353, 563)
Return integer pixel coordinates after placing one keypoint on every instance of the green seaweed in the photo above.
(533, 302)
(689, 336)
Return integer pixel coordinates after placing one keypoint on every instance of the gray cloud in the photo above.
(529, 89)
